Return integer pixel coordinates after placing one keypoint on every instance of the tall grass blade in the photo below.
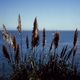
(19, 24)
(14, 43)
(75, 37)
(27, 42)
(35, 34)
(17, 57)
(44, 37)
(63, 52)
(5, 34)
(69, 54)
(5, 52)
(55, 41)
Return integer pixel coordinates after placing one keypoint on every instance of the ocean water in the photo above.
(66, 38)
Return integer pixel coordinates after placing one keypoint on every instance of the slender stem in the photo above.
(3, 69)
(27, 54)
(11, 53)
(33, 56)
(72, 61)
(21, 45)
(42, 54)
(54, 52)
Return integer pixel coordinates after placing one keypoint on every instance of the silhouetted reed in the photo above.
(35, 34)
(5, 34)
(44, 37)
(19, 24)
(74, 45)
(75, 37)
(27, 45)
(17, 56)
(27, 42)
(63, 52)
(36, 67)
(14, 43)
(74, 50)
(5, 52)
(4, 29)
(68, 54)
(55, 41)
(19, 27)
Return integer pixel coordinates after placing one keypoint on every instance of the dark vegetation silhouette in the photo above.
(32, 66)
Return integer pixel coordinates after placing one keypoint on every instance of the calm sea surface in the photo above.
(66, 38)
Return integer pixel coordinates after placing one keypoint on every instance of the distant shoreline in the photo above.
(40, 29)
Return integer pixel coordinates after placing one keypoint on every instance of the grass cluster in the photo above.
(38, 64)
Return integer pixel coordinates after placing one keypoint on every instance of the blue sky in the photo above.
(51, 14)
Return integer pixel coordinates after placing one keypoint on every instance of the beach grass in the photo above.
(35, 64)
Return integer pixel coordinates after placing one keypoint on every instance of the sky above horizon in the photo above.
(51, 14)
